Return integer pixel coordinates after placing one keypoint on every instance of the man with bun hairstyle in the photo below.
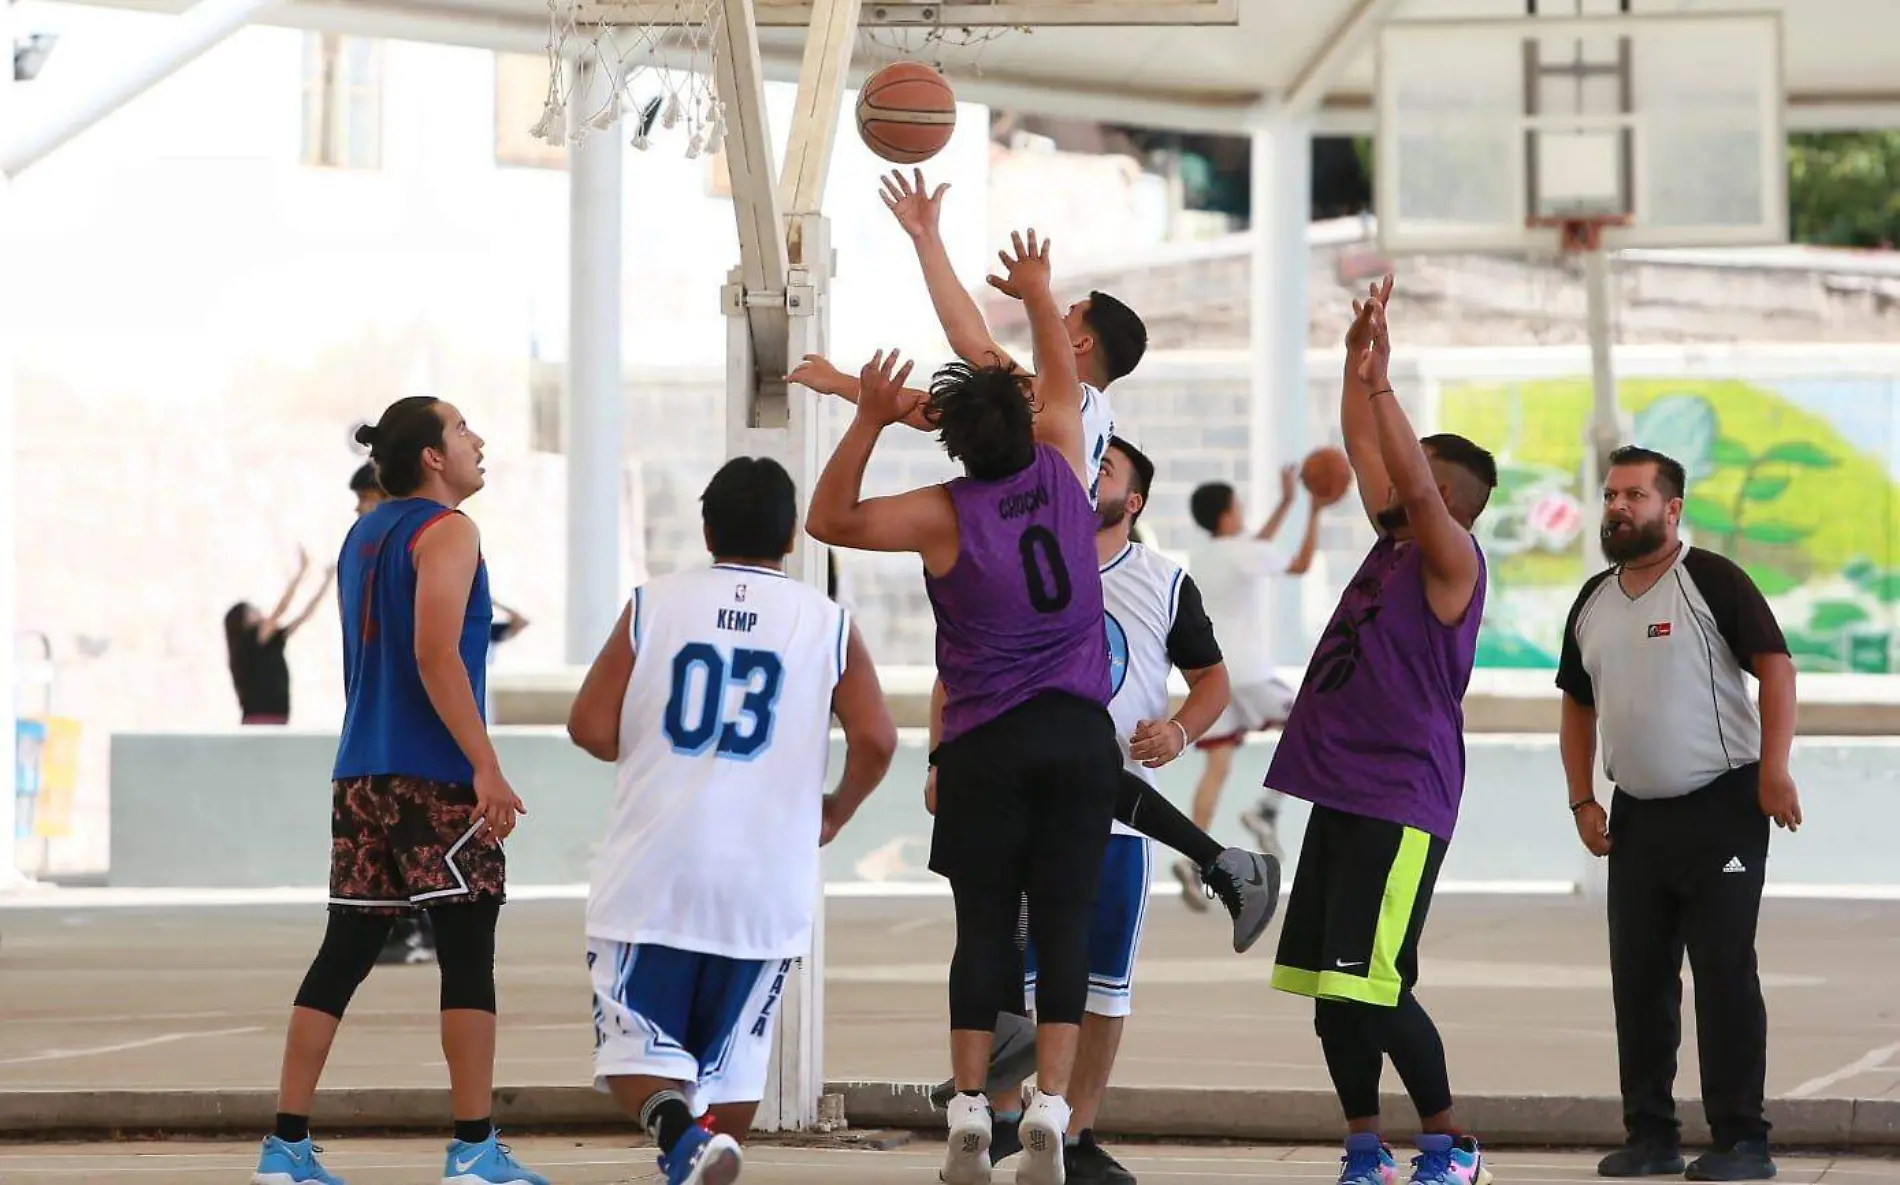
(419, 803)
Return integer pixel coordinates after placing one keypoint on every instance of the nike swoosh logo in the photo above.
(462, 1166)
(1342, 964)
(1253, 874)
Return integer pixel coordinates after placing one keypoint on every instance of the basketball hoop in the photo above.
(654, 69)
(1577, 236)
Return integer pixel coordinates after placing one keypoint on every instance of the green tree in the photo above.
(1844, 188)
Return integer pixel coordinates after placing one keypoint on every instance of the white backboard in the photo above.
(1489, 128)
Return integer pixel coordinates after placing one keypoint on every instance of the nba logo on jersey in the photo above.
(738, 592)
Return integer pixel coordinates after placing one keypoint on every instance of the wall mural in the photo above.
(1793, 480)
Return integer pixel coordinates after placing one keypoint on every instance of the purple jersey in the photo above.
(1021, 612)
(1379, 725)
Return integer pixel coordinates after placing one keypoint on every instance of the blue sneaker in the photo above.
(1367, 1162)
(284, 1163)
(702, 1158)
(487, 1163)
(1442, 1160)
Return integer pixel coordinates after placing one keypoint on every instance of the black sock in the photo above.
(971, 1094)
(473, 1131)
(292, 1128)
(666, 1118)
(1148, 811)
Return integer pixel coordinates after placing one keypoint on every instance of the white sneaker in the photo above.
(967, 1161)
(1045, 1123)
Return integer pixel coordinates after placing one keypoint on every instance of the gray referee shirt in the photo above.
(1664, 672)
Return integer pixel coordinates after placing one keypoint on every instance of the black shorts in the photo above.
(1025, 801)
(1360, 893)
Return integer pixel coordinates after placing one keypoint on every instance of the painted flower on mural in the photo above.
(1554, 519)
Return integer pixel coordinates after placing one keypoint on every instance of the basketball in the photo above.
(906, 112)
(1326, 473)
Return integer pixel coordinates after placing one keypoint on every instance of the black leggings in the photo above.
(986, 973)
(1358, 1037)
(465, 952)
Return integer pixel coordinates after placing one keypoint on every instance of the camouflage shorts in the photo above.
(399, 843)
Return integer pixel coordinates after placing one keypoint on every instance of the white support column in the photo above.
(196, 30)
(1279, 421)
(595, 401)
(9, 447)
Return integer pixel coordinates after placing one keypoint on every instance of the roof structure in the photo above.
(1842, 57)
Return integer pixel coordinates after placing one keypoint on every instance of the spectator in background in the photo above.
(499, 631)
(1232, 569)
(368, 493)
(254, 644)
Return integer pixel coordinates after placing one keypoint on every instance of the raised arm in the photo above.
(922, 520)
(1058, 386)
(1356, 424)
(963, 325)
(271, 624)
(316, 598)
(1451, 554)
(817, 373)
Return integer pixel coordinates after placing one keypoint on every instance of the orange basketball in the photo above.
(1326, 473)
(906, 112)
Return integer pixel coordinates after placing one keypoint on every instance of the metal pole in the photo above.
(595, 404)
(1606, 427)
(197, 29)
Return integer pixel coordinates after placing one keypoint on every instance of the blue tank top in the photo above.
(389, 726)
(1021, 612)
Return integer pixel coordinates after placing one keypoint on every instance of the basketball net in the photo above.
(657, 75)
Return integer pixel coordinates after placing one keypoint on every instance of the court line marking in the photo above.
(180, 898)
(1873, 1059)
(52, 1055)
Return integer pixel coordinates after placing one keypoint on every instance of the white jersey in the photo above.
(1098, 424)
(1141, 592)
(712, 841)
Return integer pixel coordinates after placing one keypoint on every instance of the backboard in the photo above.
(1493, 134)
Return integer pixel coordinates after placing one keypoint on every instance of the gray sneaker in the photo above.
(1248, 884)
(1012, 1060)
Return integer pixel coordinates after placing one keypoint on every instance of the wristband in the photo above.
(1381, 391)
(1577, 806)
(1183, 728)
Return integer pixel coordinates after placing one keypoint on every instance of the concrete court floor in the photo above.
(179, 998)
(576, 1161)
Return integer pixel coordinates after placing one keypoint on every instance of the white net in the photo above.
(607, 68)
(650, 67)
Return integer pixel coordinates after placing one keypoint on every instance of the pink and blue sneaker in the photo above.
(1448, 1160)
(702, 1157)
(1367, 1161)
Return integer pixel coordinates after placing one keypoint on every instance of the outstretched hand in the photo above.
(882, 399)
(1027, 271)
(915, 210)
(1375, 356)
(817, 373)
(1358, 333)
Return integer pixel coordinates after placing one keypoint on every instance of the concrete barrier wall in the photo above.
(250, 809)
